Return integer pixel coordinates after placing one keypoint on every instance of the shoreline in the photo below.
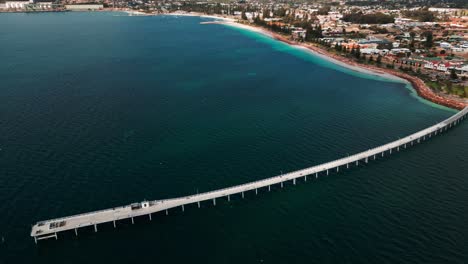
(421, 89)
(417, 84)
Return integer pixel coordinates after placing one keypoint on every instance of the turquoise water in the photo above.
(100, 109)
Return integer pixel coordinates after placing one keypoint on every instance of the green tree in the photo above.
(429, 39)
(453, 74)
(324, 10)
(358, 53)
(379, 60)
(244, 16)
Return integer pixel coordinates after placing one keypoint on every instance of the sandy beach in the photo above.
(420, 87)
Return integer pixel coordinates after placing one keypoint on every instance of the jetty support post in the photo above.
(294, 181)
(76, 232)
(183, 209)
(269, 187)
(198, 204)
(281, 184)
(214, 201)
(133, 222)
(167, 212)
(305, 178)
(150, 217)
(229, 198)
(95, 228)
(114, 223)
(242, 195)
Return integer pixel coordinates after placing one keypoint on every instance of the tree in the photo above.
(423, 15)
(453, 74)
(412, 35)
(429, 39)
(379, 60)
(448, 86)
(360, 18)
(324, 10)
(358, 53)
(244, 16)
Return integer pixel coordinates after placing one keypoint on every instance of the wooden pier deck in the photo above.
(49, 228)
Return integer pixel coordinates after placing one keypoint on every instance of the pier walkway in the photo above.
(50, 228)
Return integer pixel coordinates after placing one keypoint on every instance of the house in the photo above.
(400, 51)
(17, 4)
(84, 7)
(298, 33)
(370, 51)
(445, 45)
(462, 70)
(455, 38)
(438, 66)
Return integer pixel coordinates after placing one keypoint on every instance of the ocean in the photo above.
(102, 109)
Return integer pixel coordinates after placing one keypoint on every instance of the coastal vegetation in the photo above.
(449, 87)
(423, 15)
(375, 18)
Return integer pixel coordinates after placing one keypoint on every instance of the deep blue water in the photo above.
(102, 109)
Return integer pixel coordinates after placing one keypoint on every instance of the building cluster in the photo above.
(41, 5)
(26, 5)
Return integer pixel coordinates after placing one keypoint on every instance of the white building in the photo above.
(44, 5)
(17, 4)
(462, 70)
(438, 66)
(445, 45)
(370, 51)
(83, 7)
(299, 33)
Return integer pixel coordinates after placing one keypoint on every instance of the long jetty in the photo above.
(50, 228)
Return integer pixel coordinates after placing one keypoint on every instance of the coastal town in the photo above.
(422, 42)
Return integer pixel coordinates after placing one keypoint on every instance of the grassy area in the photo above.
(456, 89)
